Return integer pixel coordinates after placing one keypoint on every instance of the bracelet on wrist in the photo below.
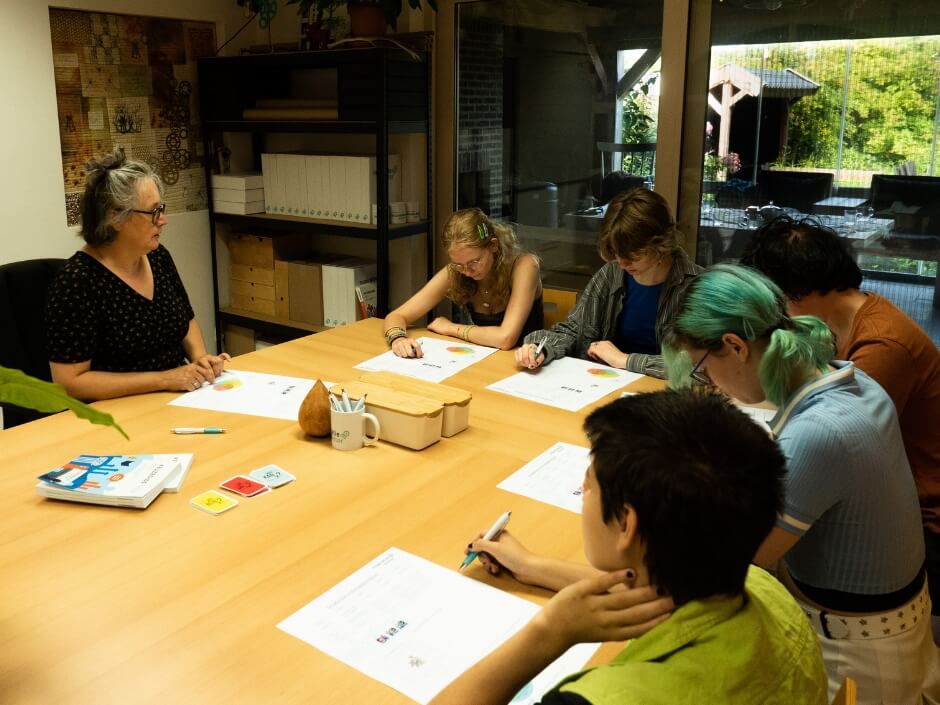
(392, 338)
(394, 332)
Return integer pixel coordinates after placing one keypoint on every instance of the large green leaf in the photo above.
(19, 388)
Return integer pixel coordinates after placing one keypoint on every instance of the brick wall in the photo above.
(480, 115)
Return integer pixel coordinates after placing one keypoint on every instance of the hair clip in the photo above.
(482, 231)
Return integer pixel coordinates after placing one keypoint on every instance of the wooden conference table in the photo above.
(172, 605)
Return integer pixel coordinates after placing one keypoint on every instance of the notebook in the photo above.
(114, 480)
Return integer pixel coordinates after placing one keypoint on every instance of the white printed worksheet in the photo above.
(410, 624)
(442, 358)
(568, 383)
(554, 477)
(253, 393)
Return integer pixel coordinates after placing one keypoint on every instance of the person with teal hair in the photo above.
(848, 543)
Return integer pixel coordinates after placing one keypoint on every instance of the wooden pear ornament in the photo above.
(314, 416)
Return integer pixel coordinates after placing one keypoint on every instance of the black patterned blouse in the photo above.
(92, 315)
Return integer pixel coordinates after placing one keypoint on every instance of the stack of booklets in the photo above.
(116, 480)
(241, 194)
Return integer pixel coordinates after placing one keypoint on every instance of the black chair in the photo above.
(922, 192)
(23, 289)
(794, 189)
(617, 182)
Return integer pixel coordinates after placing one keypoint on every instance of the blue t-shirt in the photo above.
(850, 496)
(636, 327)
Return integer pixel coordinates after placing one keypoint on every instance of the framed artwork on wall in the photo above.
(130, 81)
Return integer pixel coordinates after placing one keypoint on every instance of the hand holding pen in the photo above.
(407, 347)
(490, 534)
(530, 356)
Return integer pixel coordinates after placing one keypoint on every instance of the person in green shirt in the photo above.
(681, 491)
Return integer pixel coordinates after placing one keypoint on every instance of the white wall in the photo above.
(32, 201)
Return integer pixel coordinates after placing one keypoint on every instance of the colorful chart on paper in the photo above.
(568, 383)
(129, 81)
(252, 393)
(441, 360)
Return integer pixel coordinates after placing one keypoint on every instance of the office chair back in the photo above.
(794, 189)
(920, 191)
(23, 289)
(557, 304)
(846, 695)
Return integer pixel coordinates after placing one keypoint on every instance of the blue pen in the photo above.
(346, 405)
(491, 534)
(188, 431)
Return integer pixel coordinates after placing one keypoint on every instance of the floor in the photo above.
(916, 300)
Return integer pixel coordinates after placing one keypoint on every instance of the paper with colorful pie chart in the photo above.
(442, 358)
(252, 393)
(568, 383)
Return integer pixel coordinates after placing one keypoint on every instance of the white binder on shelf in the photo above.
(297, 186)
(269, 178)
(340, 279)
(283, 179)
(315, 200)
(357, 189)
(337, 187)
(300, 168)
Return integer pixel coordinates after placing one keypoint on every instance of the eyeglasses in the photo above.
(155, 214)
(471, 265)
(698, 364)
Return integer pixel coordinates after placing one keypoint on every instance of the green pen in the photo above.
(491, 534)
(188, 431)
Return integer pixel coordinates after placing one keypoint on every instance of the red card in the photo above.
(245, 486)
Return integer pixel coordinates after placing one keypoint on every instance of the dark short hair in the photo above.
(705, 481)
(802, 257)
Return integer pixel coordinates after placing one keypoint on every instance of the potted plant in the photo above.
(318, 22)
(367, 18)
(19, 388)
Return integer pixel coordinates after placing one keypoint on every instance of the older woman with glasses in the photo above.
(119, 320)
(621, 315)
(496, 285)
(848, 544)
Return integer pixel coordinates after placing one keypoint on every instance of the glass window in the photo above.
(837, 116)
(553, 98)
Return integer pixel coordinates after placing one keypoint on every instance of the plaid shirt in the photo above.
(594, 316)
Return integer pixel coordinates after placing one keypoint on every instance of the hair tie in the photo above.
(784, 324)
(482, 231)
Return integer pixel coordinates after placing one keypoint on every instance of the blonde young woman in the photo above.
(496, 284)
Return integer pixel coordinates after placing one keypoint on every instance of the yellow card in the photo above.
(213, 502)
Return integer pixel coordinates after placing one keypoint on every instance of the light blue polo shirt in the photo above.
(850, 495)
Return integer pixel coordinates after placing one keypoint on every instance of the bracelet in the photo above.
(394, 332)
(391, 339)
(466, 331)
